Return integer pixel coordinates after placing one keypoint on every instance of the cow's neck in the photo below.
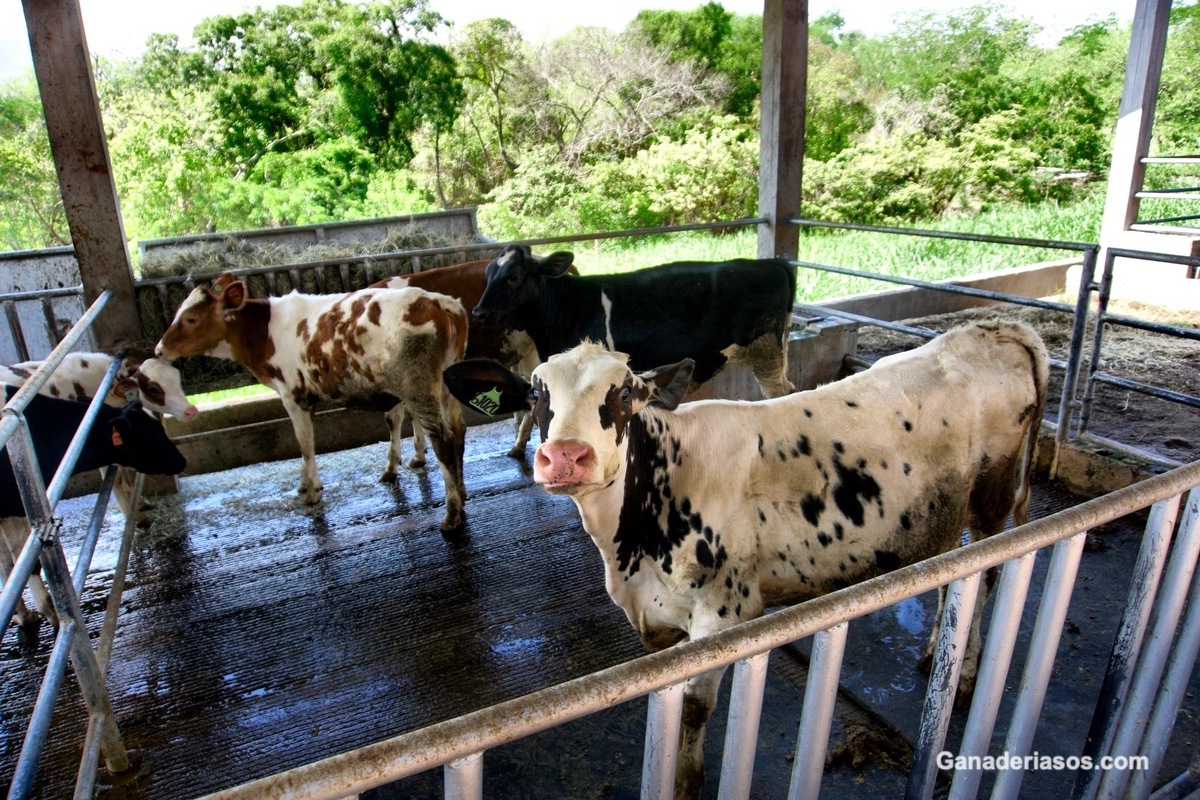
(564, 315)
(248, 341)
(636, 519)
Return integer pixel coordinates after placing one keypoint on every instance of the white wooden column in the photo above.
(781, 151)
(64, 75)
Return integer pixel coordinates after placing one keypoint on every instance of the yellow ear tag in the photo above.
(116, 439)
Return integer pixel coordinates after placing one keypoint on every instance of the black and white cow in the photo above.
(710, 312)
(708, 513)
(127, 436)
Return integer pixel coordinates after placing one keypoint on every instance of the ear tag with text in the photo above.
(487, 402)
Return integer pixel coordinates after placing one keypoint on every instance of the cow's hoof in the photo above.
(453, 522)
(416, 463)
(388, 476)
(144, 521)
(516, 452)
(313, 497)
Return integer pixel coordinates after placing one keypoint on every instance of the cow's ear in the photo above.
(223, 280)
(669, 384)
(556, 264)
(234, 296)
(125, 389)
(487, 387)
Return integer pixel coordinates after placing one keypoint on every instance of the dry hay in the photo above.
(1164, 428)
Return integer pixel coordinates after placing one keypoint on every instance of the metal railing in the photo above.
(43, 546)
(1146, 677)
(1070, 404)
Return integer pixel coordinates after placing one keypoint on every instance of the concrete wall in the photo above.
(39, 270)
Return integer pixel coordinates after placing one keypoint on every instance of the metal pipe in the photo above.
(1060, 582)
(1137, 452)
(1097, 340)
(1068, 404)
(1184, 785)
(956, 618)
(85, 778)
(1169, 698)
(993, 671)
(1154, 327)
(416, 751)
(36, 731)
(949, 288)
(14, 330)
(924, 333)
(1147, 570)
(820, 696)
(664, 716)
(1180, 569)
(741, 730)
(1166, 258)
(1145, 388)
(463, 779)
(87, 671)
(27, 473)
(969, 237)
(38, 294)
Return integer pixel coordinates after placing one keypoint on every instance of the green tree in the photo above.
(31, 208)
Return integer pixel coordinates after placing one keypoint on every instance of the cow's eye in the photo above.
(626, 393)
(189, 320)
(533, 395)
(513, 279)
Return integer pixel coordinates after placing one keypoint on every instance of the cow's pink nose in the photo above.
(562, 462)
(190, 412)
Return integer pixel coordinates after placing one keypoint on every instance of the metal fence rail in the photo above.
(44, 546)
(460, 743)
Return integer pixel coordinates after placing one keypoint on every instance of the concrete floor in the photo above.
(258, 635)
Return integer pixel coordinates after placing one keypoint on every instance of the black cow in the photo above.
(710, 312)
(127, 436)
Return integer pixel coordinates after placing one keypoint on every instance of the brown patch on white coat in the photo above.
(383, 349)
(706, 514)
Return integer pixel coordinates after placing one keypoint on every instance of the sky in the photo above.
(119, 28)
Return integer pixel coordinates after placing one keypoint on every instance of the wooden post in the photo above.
(64, 75)
(1131, 143)
(781, 151)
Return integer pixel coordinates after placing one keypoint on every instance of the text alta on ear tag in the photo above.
(487, 402)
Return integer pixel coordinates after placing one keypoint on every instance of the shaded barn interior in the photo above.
(257, 635)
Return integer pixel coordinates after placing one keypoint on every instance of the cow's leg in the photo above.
(15, 531)
(699, 700)
(524, 424)
(123, 493)
(767, 357)
(444, 425)
(21, 613)
(302, 424)
(418, 442)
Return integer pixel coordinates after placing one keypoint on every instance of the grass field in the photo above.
(913, 257)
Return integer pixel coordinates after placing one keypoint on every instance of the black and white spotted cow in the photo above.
(709, 512)
(710, 312)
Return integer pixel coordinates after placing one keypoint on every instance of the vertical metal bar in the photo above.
(1068, 403)
(1166, 613)
(955, 629)
(1097, 342)
(415, 264)
(51, 320)
(272, 289)
(86, 777)
(43, 710)
(344, 272)
(820, 694)
(1170, 696)
(1128, 641)
(319, 277)
(295, 277)
(663, 719)
(14, 328)
(368, 271)
(87, 671)
(1056, 596)
(463, 778)
(741, 731)
(993, 671)
(28, 475)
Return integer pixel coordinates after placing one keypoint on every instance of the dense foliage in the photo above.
(337, 109)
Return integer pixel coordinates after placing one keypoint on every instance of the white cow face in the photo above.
(584, 401)
(158, 386)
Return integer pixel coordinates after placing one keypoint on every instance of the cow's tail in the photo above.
(1040, 368)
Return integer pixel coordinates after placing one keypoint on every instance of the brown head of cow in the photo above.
(200, 327)
(708, 512)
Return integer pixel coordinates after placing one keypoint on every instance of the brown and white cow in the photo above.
(514, 349)
(383, 349)
(708, 513)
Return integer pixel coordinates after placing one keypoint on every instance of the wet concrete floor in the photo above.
(257, 635)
